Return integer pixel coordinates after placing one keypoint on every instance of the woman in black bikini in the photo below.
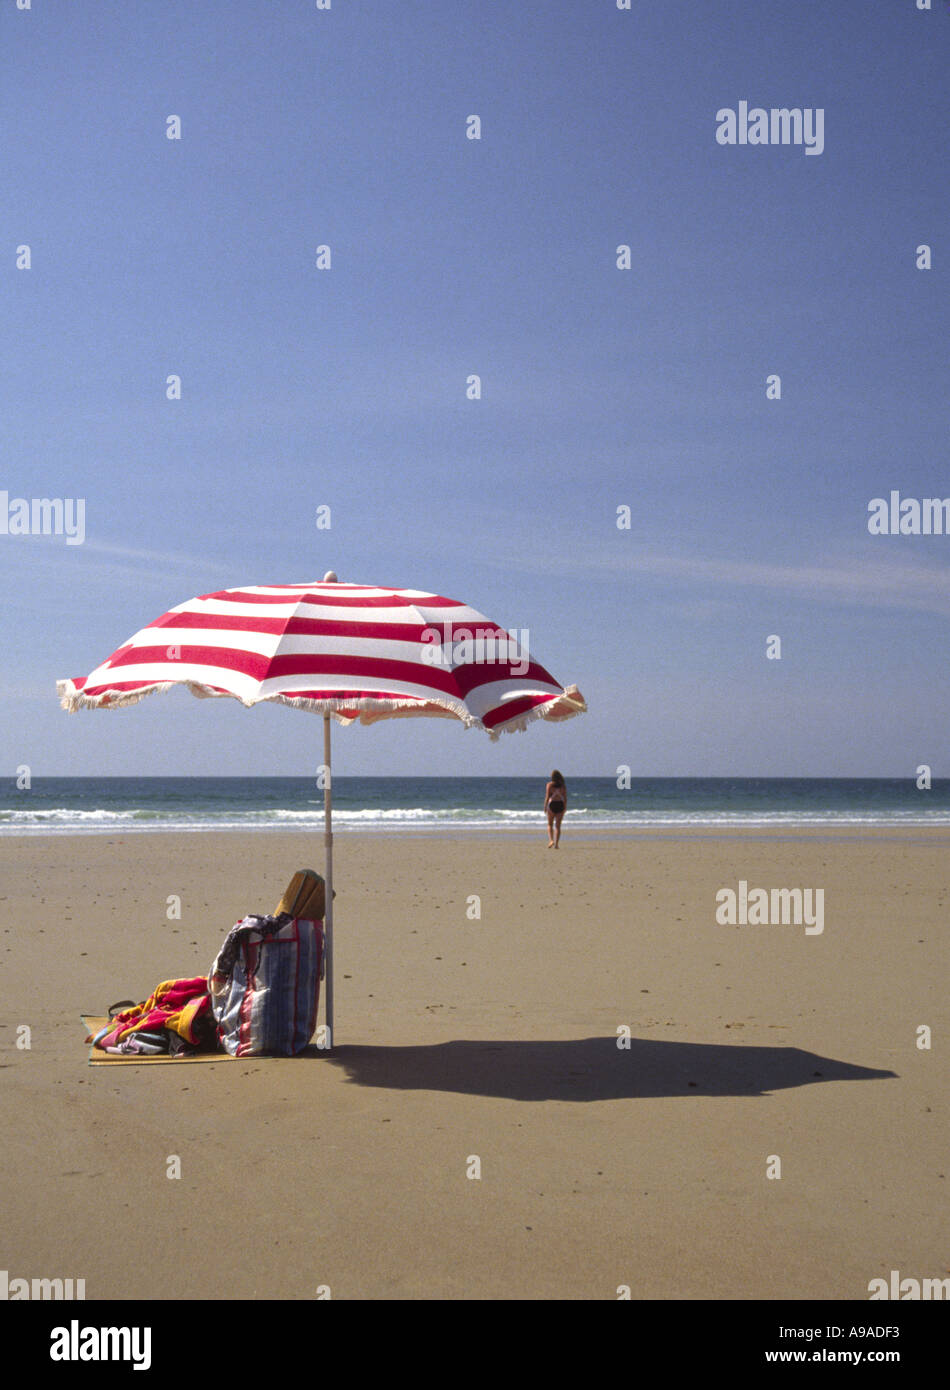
(555, 803)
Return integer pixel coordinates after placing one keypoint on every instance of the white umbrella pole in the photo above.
(328, 842)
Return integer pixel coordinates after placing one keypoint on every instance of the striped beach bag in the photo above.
(265, 985)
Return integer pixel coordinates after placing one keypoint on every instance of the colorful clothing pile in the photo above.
(178, 1009)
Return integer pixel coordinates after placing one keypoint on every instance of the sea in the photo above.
(130, 805)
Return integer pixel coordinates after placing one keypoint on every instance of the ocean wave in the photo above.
(65, 820)
(63, 814)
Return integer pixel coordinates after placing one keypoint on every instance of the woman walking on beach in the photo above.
(555, 803)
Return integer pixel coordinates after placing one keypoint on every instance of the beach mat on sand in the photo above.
(97, 1058)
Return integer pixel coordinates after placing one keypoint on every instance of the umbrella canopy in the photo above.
(350, 650)
(346, 651)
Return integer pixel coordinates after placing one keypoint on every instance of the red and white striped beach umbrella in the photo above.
(346, 651)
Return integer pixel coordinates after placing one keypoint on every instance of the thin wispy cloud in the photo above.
(895, 583)
(890, 582)
(168, 560)
(45, 553)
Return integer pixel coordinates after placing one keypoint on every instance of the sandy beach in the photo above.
(493, 1038)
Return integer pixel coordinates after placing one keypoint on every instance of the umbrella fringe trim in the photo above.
(73, 700)
(396, 708)
(520, 723)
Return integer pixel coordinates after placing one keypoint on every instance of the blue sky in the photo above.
(497, 256)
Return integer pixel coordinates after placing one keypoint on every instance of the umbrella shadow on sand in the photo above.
(588, 1069)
